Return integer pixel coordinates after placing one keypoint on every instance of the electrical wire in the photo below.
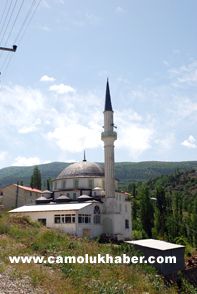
(14, 23)
(5, 7)
(6, 16)
(24, 23)
(29, 21)
(8, 22)
(23, 28)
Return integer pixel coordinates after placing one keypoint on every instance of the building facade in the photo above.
(16, 196)
(106, 210)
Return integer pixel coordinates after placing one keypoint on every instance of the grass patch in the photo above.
(24, 237)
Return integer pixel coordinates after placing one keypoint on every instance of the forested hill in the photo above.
(126, 172)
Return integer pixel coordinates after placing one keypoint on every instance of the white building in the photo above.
(85, 198)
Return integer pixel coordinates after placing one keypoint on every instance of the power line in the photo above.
(8, 22)
(5, 7)
(15, 20)
(25, 24)
(6, 16)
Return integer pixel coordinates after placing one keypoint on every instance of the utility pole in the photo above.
(13, 49)
(17, 191)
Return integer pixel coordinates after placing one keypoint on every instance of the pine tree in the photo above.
(36, 181)
(146, 211)
(194, 223)
(161, 211)
(49, 184)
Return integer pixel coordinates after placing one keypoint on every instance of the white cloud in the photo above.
(3, 155)
(20, 107)
(46, 78)
(136, 139)
(135, 133)
(75, 137)
(190, 142)
(185, 74)
(31, 128)
(26, 161)
(166, 142)
(62, 89)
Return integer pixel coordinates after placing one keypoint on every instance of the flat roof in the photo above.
(50, 207)
(155, 244)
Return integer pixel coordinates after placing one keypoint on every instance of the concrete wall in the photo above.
(82, 183)
(116, 221)
(165, 268)
(79, 229)
(24, 197)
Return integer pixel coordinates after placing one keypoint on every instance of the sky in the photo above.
(52, 93)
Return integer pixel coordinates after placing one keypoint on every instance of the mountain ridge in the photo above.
(126, 172)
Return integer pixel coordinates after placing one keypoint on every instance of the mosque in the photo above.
(85, 200)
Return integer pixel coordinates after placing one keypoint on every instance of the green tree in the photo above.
(161, 211)
(194, 223)
(146, 211)
(36, 181)
(49, 184)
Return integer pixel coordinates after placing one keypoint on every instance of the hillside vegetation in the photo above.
(166, 208)
(126, 172)
(20, 236)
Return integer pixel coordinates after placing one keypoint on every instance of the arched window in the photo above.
(97, 215)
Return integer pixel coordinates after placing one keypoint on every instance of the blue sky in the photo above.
(52, 93)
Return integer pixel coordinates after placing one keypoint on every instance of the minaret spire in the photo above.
(108, 105)
(109, 136)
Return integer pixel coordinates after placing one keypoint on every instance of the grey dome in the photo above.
(82, 169)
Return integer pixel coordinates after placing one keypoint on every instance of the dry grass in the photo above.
(20, 236)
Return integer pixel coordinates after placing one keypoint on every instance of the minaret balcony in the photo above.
(107, 134)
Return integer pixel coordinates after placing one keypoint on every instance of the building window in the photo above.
(90, 184)
(63, 184)
(64, 219)
(74, 196)
(57, 219)
(126, 224)
(68, 194)
(43, 221)
(97, 215)
(76, 184)
(84, 219)
(55, 185)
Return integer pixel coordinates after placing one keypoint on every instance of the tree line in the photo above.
(162, 211)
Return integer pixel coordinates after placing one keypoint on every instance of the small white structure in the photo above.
(158, 248)
(80, 219)
(89, 194)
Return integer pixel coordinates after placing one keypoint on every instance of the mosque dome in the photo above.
(82, 169)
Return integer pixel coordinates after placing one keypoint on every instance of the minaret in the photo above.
(108, 137)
